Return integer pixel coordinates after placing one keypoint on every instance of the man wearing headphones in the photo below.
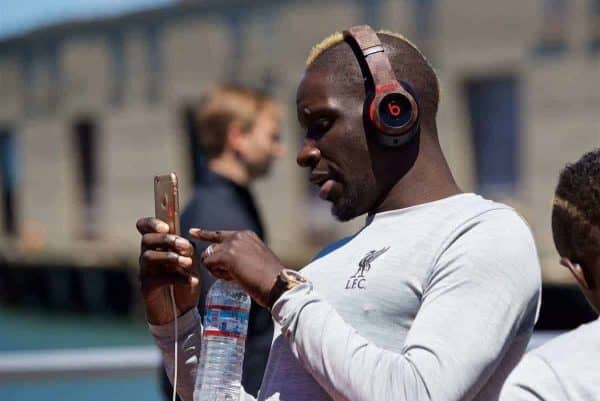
(433, 299)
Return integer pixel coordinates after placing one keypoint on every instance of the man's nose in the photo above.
(309, 155)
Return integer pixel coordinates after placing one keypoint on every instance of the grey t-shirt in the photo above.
(431, 302)
(564, 369)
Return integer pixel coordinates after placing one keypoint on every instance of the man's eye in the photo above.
(322, 125)
(319, 127)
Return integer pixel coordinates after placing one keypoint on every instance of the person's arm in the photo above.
(189, 344)
(485, 284)
(189, 341)
(533, 380)
(166, 260)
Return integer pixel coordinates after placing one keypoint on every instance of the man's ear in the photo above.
(577, 272)
(235, 136)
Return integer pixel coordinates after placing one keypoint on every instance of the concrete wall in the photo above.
(139, 137)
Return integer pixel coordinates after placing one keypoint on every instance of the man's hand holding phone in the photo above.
(166, 259)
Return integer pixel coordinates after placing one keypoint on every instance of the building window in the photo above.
(8, 181)
(26, 61)
(236, 28)
(423, 12)
(85, 143)
(371, 11)
(269, 78)
(594, 44)
(495, 129)
(553, 40)
(153, 64)
(424, 19)
(54, 74)
(119, 68)
(190, 128)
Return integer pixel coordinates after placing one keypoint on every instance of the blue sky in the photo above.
(18, 16)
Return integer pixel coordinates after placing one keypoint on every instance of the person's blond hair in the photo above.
(338, 37)
(223, 105)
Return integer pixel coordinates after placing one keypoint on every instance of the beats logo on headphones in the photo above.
(395, 110)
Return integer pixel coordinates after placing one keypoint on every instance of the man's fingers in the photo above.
(167, 242)
(220, 274)
(210, 250)
(211, 236)
(153, 282)
(157, 262)
(147, 225)
(217, 266)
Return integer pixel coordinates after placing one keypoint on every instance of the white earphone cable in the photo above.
(172, 292)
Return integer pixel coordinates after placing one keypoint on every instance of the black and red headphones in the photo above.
(392, 107)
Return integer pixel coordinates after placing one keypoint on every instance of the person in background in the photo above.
(239, 137)
(566, 368)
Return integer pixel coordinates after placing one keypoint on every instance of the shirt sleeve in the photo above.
(189, 344)
(484, 285)
(533, 380)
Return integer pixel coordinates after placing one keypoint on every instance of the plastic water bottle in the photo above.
(223, 342)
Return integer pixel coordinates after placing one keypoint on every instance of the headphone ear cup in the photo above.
(407, 87)
(395, 115)
(372, 114)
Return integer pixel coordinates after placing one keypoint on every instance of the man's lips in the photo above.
(322, 179)
(318, 178)
(325, 189)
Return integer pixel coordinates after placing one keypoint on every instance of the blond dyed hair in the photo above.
(338, 37)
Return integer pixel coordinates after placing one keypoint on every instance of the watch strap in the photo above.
(285, 280)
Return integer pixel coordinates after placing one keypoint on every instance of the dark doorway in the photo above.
(8, 180)
(196, 159)
(85, 143)
(495, 115)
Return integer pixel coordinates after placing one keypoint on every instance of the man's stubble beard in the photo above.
(260, 169)
(347, 206)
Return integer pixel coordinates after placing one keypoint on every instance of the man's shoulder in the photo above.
(216, 208)
(480, 209)
(533, 379)
(473, 222)
(455, 215)
(492, 220)
(495, 244)
(211, 198)
(562, 368)
(332, 247)
(205, 193)
(573, 348)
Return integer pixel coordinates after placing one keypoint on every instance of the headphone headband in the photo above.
(393, 109)
(373, 53)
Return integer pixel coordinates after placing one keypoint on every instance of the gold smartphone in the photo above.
(166, 200)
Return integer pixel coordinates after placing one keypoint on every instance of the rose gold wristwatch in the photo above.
(286, 280)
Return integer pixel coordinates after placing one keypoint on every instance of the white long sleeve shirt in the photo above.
(563, 369)
(431, 302)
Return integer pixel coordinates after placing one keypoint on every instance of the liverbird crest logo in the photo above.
(358, 280)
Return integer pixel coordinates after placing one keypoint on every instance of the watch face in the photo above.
(292, 276)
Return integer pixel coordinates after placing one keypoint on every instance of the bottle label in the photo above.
(225, 321)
